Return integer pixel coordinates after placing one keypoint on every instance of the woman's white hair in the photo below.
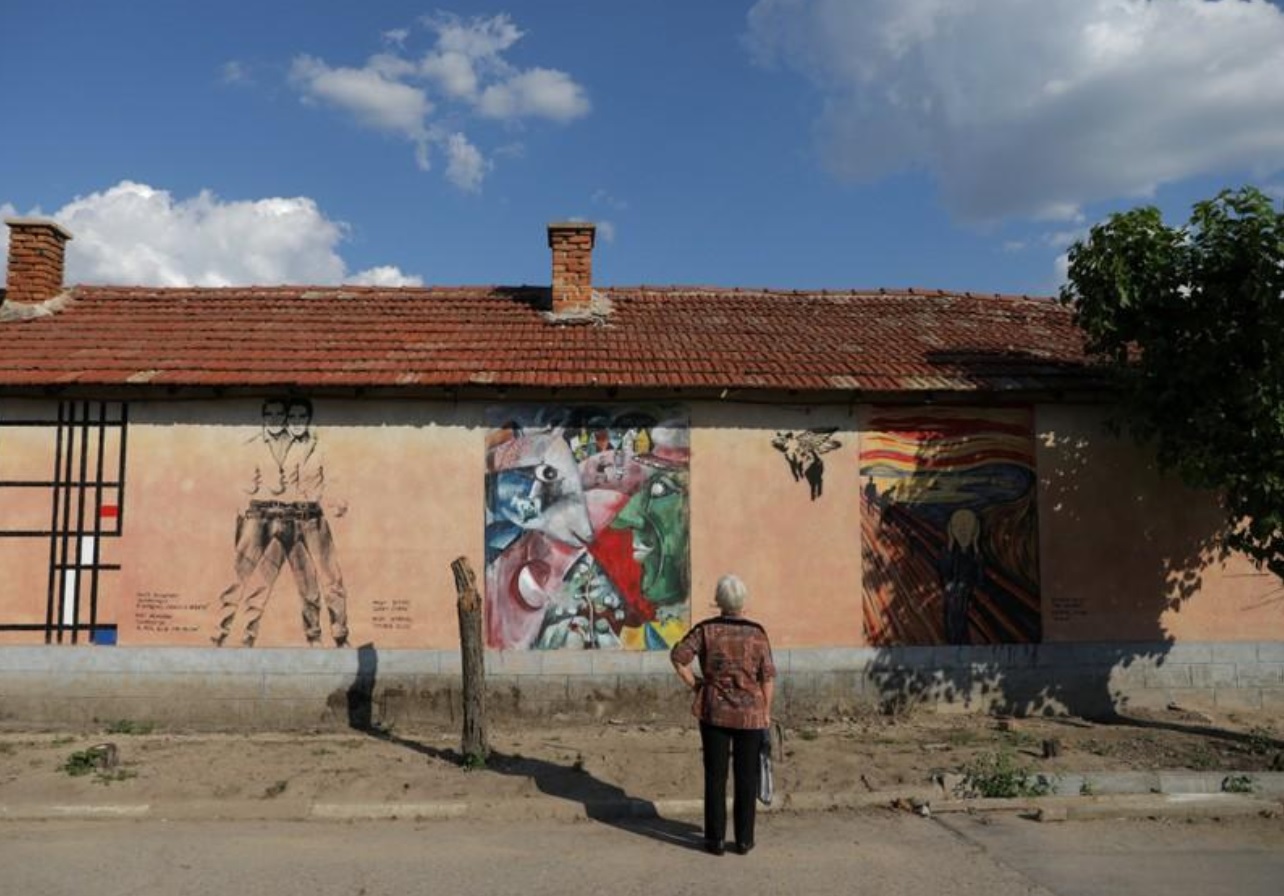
(730, 594)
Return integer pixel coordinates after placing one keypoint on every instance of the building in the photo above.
(202, 488)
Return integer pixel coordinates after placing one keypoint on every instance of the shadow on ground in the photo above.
(601, 800)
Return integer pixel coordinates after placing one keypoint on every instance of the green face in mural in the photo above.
(657, 516)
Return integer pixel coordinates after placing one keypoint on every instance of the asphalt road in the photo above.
(882, 853)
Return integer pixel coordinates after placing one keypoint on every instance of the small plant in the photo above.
(808, 734)
(62, 741)
(474, 761)
(1086, 788)
(275, 790)
(1202, 758)
(1238, 784)
(322, 751)
(999, 776)
(1260, 740)
(128, 726)
(81, 762)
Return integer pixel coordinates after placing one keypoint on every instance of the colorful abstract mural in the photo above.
(949, 527)
(587, 528)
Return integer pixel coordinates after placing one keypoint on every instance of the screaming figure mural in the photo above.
(587, 528)
(949, 527)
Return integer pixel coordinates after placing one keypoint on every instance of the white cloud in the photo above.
(606, 230)
(465, 166)
(1022, 108)
(538, 93)
(465, 73)
(135, 234)
(383, 275)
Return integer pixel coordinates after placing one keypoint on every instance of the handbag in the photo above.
(766, 782)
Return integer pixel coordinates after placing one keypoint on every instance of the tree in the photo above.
(1189, 322)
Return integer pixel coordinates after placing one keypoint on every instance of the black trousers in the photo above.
(741, 746)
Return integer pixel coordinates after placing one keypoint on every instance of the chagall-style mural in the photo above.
(587, 527)
(284, 522)
(949, 527)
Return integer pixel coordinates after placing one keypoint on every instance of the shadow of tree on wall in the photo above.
(1152, 562)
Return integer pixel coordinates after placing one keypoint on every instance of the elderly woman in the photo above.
(733, 703)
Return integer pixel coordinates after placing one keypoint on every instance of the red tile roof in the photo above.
(642, 337)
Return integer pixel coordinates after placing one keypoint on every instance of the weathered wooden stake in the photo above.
(472, 650)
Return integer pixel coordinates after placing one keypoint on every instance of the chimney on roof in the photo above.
(572, 245)
(36, 252)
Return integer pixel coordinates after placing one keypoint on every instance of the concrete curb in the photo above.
(1077, 796)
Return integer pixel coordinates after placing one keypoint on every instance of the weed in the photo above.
(998, 775)
(1202, 758)
(808, 734)
(1260, 740)
(474, 761)
(62, 741)
(1238, 784)
(1086, 788)
(128, 726)
(961, 738)
(1018, 738)
(322, 751)
(81, 762)
(275, 790)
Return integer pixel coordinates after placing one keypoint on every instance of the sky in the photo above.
(788, 144)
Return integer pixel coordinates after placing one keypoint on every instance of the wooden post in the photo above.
(474, 747)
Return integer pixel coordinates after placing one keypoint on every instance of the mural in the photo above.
(949, 527)
(587, 528)
(803, 450)
(284, 522)
(62, 484)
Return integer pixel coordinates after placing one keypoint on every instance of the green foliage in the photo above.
(128, 726)
(1238, 784)
(999, 775)
(81, 762)
(1190, 323)
(474, 761)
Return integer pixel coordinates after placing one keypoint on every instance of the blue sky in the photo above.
(955, 144)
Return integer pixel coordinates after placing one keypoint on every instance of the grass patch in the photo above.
(129, 726)
(999, 776)
(120, 774)
(62, 741)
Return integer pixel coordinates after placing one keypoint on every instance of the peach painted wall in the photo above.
(1115, 538)
(1127, 553)
(800, 558)
(410, 474)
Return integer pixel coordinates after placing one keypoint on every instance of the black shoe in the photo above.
(743, 848)
(714, 848)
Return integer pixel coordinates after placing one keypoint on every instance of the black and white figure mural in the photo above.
(285, 522)
(803, 448)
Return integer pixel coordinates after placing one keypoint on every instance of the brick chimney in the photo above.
(36, 250)
(572, 245)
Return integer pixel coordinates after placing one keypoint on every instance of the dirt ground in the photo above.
(608, 760)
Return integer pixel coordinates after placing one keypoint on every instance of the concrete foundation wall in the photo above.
(281, 689)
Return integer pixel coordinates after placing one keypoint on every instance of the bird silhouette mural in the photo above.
(803, 448)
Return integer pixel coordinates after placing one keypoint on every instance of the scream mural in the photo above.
(587, 528)
(284, 522)
(949, 527)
